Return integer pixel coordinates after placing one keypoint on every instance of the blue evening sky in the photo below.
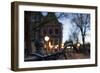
(67, 26)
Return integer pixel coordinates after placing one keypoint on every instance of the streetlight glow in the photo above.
(46, 38)
(62, 45)
(78, 45)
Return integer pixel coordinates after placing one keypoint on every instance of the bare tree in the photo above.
(74, 36)
(82, 21)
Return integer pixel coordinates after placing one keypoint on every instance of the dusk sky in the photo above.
(67, 26)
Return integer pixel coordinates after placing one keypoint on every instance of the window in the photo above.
(56, 31)
(32, 19)
(44, 31)
(56, 41)
(50, 31)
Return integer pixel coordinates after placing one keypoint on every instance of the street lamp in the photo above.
(62, 45)
(78, 44)
(46, 38)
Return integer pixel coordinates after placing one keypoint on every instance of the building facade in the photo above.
(38, 27)
(53, 30)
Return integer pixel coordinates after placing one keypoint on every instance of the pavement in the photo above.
(70, 55)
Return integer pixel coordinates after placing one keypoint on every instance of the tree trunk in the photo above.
(83, 40)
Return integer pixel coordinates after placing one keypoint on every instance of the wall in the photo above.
(5, 36)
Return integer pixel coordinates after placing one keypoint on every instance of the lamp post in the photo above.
(46, 38)
(78, 45)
